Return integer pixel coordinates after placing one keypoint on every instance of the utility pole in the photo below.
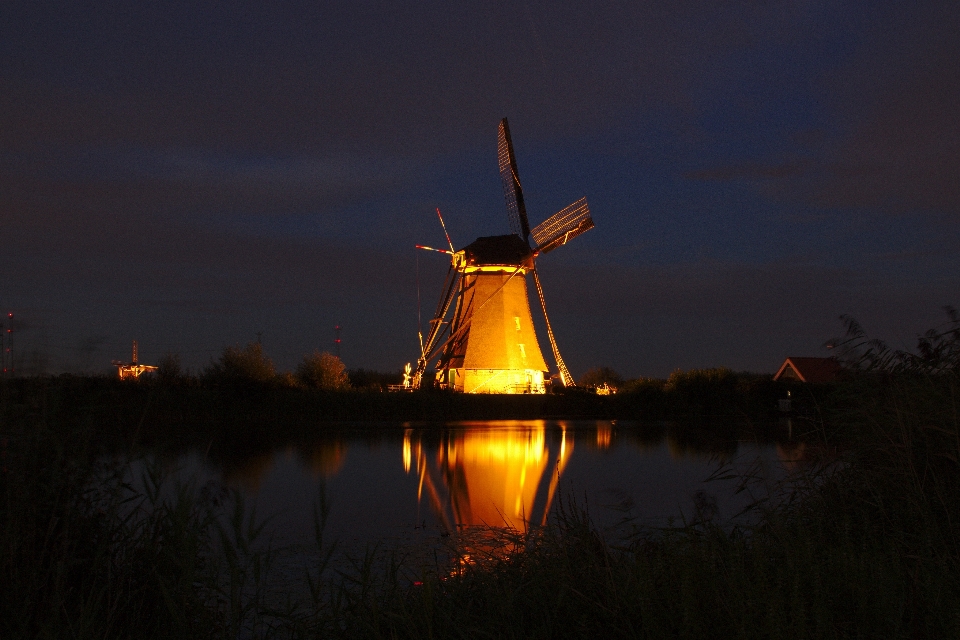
(336, 340)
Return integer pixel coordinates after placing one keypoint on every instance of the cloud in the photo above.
(187, 181)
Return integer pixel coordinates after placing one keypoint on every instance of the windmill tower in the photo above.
(489, 344)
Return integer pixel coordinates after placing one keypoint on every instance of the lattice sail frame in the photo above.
(563, 226)
(512, 191)
(565, 376)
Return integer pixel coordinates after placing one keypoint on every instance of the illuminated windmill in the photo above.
(488, 344)
(133, 369)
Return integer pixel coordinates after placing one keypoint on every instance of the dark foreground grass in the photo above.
(864, 545)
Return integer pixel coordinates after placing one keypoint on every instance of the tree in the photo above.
(323, 371)
(249, 363)
(601, 375)
(169, 369)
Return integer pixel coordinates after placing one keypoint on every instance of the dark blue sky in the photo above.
(188, 174)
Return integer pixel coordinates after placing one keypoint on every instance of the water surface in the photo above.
(408, 484)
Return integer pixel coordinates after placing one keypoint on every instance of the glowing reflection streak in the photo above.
(555, 478)
(604, 435)
(427, 480)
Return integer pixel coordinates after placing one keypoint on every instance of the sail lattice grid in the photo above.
(563, 226)
(512, 191)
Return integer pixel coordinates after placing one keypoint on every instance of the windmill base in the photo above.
(512, 381)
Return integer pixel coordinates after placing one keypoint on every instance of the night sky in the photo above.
(190, 174)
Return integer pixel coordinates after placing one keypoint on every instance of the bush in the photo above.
(598, 376)
(701, 391)
(169, 369)
(249, 364)
(644, 385)
(323, 371)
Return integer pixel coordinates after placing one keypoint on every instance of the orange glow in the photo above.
(501, 472)
(498, 352)
(325, 459)
(133, 371)
(604, 433)
(406, 451)
(491, 476)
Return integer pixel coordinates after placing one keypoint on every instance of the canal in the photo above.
(415, 487)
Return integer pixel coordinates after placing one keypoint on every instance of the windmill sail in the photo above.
(565, 376)
(563, 226)
(512, 192)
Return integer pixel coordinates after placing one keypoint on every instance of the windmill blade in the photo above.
(565, 376)
(426, 248)
(563, 226)
(512, 192)
(442, 224)
(437, 325)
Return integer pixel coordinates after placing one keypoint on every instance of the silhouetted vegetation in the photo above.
(169, 369)
(249, 364)
(373, 380)
(323, 371)
(601, 375)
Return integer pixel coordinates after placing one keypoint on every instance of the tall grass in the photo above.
(82, 556)
(87, 551)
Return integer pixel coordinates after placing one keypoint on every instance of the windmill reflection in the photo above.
(489, 476)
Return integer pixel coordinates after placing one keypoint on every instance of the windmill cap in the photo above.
(509, 250)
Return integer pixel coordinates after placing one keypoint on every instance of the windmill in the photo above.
(132, 370)
(489, 344)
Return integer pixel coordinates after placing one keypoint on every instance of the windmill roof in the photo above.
(809, 369)
(508, 250)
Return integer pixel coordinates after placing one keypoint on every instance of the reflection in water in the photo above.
(685, 443)
(248, 471)
(324, 458)
(792, 455)
(489, 475)
(416, 485)
(604, 433)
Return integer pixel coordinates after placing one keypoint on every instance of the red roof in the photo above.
(809, 369)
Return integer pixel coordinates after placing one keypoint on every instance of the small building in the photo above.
(812, 370)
